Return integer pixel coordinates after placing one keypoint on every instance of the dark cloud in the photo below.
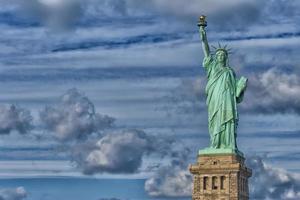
(13, 194)
(229, 15)
(119, 43)
(117, 152)
(74, 117)
(188, 96)
(173, 180)
(245, 12)
(53, 75)
(271, 183)
(14, 118)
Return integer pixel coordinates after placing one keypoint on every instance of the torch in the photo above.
(202, 22)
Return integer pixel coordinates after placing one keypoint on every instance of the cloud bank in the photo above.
(74, 117)
(14, 118)
(13, 194)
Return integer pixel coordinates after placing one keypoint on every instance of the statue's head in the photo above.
(222, 54)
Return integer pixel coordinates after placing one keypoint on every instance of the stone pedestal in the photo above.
(220, 177)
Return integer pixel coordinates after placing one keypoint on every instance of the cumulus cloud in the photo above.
(272, 183)
(13, 194)
(14, 118)
(173, 180)
(74, 117)
(117, 152)
(273, 91)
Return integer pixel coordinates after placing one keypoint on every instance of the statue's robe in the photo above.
(223, 93)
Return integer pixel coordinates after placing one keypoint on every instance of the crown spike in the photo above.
(224, 48)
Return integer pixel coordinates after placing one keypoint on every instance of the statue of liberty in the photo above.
(223, 92)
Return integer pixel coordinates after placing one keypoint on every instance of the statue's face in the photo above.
(221, 57)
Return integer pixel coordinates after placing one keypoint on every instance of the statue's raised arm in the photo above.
(202, 24)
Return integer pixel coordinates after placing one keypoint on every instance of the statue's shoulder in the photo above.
(208, 60)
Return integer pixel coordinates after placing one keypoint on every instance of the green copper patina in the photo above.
(224, 91)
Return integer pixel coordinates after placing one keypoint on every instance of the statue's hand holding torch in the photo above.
(202, 24)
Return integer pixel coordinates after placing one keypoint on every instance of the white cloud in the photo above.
(18, 193)
(74, 117)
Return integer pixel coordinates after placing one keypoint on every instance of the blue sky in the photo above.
(114, 89)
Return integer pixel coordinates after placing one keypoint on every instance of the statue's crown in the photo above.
(224, 49)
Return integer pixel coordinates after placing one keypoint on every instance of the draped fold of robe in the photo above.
(223, 92)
